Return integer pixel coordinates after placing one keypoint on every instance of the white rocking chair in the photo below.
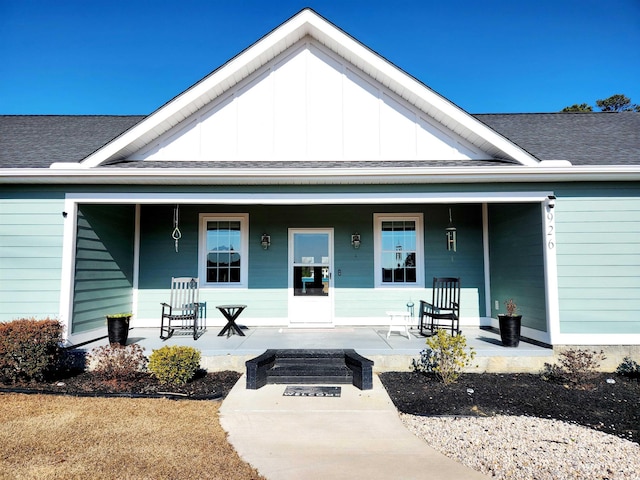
(183, 312)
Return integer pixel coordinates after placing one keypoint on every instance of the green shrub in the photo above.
(629, 368)
(174, 364)
(29, 349)
(576, 366)
(117, 361)
(445, 356)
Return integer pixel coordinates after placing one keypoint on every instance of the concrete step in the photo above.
(309, 370)
(309, 367)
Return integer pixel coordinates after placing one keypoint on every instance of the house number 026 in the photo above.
(551, 242)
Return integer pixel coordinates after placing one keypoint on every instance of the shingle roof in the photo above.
(40, 140)
(582, 138)
(37, 141)
(308, 164)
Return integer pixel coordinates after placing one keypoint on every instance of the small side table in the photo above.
(394, 322)
(231, 313)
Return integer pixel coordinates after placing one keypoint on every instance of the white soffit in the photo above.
(307, 22)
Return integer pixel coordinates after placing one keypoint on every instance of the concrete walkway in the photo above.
(358, 435)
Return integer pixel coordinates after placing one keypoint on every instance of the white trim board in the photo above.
(597, 339)
(310, 198)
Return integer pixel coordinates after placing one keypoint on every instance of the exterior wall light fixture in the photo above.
(451, 235)
(552, 201)
(265, 241)
(355, 240)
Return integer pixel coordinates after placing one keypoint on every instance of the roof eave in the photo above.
(326, 176)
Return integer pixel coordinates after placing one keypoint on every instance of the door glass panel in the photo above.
(311, 264)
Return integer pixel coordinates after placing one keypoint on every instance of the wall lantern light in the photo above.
(355, 240)
(265, 241)
(451, 235)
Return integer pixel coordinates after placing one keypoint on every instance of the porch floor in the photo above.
(393, 353)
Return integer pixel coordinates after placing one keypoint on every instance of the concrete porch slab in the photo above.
(389, 354)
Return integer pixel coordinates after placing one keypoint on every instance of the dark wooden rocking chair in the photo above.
(444, 309)
(184, 310)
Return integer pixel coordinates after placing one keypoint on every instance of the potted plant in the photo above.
(510, 325)
(118, 327)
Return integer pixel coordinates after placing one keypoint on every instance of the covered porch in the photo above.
(120, 256)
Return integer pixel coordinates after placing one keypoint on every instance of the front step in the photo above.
(308, 370)
(309, 367)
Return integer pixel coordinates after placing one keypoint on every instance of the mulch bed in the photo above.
(613, 408)
(205, 386)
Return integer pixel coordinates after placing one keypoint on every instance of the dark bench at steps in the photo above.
(310, 366)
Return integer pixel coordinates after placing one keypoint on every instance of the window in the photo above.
(399, 253)
(223, 250)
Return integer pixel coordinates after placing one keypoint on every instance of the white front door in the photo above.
(310, 277)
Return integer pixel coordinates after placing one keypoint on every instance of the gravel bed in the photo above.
(523, 448)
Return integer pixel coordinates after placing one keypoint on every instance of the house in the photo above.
(313, 180)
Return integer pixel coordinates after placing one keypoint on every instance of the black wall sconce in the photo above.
(451, 235)
(265, 241)
(355, 240)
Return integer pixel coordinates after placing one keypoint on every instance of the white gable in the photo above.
(308, 91)
(308, 104)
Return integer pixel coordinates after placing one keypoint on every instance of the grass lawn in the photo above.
(60, 437)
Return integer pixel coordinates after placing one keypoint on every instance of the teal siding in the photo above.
(466, 262)
(31, 233)
(262, 303)
(597, 237)
(598, 258)
(159, 260)
(516, 261)
(104, 264)
(267, 283)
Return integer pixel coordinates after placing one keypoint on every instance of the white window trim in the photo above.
(378, 218)
(243, 218)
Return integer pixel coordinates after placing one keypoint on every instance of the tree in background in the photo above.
(583, 107)
(615, 103)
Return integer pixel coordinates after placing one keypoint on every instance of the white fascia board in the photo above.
(326, 176)
(406, 86)
(309, 198)
(183, 105)
(305, 23)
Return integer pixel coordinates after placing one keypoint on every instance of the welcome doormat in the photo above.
(312, 391)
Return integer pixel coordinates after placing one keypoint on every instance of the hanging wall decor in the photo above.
(176, 235)
(451, 235)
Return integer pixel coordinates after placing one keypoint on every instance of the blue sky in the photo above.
(487, 56)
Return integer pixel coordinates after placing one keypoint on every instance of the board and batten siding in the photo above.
(31, 237)
(104, 265)
(309, 104)
(598, 253)
(517, 261)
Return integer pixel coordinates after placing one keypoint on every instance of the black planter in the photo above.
(118, 329)
(510, 329)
